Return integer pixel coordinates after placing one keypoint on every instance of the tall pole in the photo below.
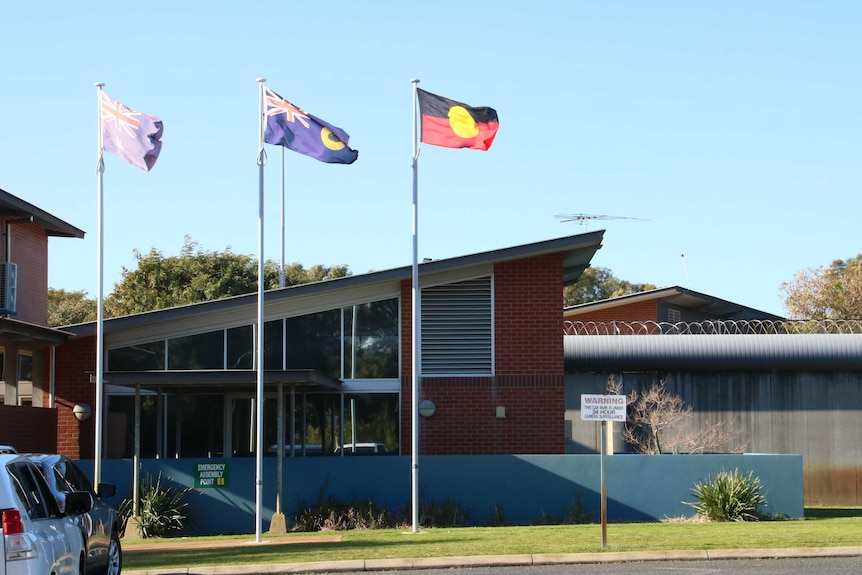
(261, 162)
(100, 314)
(417, 329)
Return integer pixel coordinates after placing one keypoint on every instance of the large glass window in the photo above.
(314, 342)
(371, 340)
(199, 351)
(141, 357)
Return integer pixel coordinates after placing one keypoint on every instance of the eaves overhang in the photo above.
(13, 206)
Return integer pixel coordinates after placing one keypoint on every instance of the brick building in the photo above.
(26, 341)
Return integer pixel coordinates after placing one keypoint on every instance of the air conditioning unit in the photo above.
(8, 287)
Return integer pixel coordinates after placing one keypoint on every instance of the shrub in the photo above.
(729, 496)
(161, 512)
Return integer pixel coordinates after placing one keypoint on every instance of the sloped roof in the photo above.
(680, 297)
(14, 206)
(577, 250)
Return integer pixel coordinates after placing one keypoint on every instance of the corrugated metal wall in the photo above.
(817, 414)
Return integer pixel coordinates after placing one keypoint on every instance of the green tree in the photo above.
(826, 293)
(69, 307)
(197, 276)
(599, 283)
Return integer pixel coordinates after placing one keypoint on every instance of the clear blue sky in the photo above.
(731, 129)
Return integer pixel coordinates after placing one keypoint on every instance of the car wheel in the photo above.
(115, 556)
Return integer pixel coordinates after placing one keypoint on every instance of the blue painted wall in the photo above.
(527, 487)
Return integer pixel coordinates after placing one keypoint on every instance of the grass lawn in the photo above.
(822, 527)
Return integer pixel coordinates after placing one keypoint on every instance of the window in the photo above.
(32, 490)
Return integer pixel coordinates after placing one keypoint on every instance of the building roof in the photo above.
(14, 206)
(577, 251)
(678, 296)
(13, 331)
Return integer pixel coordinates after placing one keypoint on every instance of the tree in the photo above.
(597, 284)
(826, 293)
(69, 307)
(658, 422)
(192, 277)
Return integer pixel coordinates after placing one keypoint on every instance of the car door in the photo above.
(96, 523)
(56, 538)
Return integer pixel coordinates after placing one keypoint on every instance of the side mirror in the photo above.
(106, 490)
(78, 502)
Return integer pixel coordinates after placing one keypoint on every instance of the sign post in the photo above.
(603, 408)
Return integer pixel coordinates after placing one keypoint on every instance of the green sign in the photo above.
(211, 474)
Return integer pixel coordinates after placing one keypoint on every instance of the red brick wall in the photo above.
(30, 252)
(28, 429)
(74, 362)
(529, 373)
(635, 311)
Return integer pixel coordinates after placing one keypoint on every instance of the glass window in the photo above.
(371, 340)
(141, 357)
(200, 351)
(371, 423)
(273, 344)
(201, 421)
(314, 342)
(120, 428)
(323, 421)
(240, 347)
(25, 367)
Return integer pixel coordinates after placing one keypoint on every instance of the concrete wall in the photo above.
(815, 415)
(528, 487)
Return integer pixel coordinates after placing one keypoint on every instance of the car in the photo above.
(100, 525)
(37, 538)
(7, 449)
(370, 448)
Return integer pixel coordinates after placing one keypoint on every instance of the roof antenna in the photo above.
(583, 219)
(685, 270)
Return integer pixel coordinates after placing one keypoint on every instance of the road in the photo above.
(806, 566)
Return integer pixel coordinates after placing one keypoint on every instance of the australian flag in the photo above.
(294, 128)
(135, 137)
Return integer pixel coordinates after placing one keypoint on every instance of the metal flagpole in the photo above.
(100, 315)
(414, 448)
(261, 162)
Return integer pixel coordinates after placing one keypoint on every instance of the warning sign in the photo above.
(603, 407)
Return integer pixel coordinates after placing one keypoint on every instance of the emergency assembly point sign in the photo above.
(603, 407)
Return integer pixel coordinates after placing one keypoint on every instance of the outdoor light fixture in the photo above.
(427, 408)
(501, 412)
(82, 412)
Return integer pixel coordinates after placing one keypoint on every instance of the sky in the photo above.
(720, 139)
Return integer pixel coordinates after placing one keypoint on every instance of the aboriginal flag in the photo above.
(451, 124)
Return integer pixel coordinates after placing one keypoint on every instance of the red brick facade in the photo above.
(528, 383)
(30, 252)
(75, 362)
(646, 310)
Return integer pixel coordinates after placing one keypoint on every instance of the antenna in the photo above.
(582, 219)
(685, 270)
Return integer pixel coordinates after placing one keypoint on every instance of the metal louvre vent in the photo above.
(457, 328)
(8, 287)
(673, 315)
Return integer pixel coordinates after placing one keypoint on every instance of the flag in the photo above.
(294, 128)
(135, 137)
(451, 124)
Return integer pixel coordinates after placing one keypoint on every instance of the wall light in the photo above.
(501, 412)
(427, 408)
(82, 412)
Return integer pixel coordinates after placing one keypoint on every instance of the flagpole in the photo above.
(100, 315)
(414, 447)
(261, 162)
